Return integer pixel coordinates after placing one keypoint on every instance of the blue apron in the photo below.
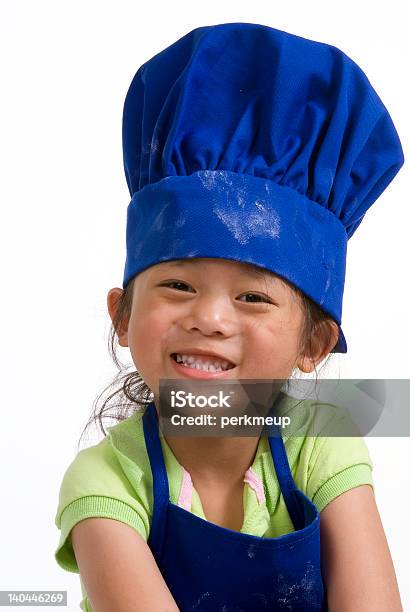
(211, 568)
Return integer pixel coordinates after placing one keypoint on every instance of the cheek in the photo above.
(275, 345)
(146, 333)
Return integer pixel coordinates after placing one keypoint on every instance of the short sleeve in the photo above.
(338, 463)
(95, 485)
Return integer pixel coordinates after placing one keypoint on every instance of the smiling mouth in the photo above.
(199, 362)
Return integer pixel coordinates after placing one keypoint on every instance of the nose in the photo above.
(210, 315)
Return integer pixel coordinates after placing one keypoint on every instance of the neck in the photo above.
(215, 460)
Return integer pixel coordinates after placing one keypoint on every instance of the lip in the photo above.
(198, 351)
(199, 374)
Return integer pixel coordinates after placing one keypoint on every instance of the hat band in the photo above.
(223, 214)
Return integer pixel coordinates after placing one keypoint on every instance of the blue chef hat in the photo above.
(247, 143)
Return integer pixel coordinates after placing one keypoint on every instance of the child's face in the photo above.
(204, 304)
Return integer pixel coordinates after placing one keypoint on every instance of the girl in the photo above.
(251, 156)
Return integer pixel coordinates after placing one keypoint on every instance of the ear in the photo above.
(113, 301)
(324, 338)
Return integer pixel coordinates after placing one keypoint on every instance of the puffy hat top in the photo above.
(244, 142)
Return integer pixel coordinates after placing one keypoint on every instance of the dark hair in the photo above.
(133, 393)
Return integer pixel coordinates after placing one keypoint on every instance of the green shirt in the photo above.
(113, 478)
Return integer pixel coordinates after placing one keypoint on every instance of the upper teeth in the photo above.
(203, 363)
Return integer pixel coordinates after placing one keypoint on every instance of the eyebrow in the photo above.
(249, 269)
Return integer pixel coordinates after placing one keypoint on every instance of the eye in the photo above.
(260, 299)
(256, 297)
(168, 284)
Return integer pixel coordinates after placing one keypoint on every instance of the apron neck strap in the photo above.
(159, 478)
(285, 479)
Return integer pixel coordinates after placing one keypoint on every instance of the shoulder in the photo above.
(110, 479)
(325, 449)
(116, 464)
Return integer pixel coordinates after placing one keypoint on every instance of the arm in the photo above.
(118, 569)
(357, 566)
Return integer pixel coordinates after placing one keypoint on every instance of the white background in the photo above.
(66, 68)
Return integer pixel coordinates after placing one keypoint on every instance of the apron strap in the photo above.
(285, 479)
(161, 488)
(159, 478)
